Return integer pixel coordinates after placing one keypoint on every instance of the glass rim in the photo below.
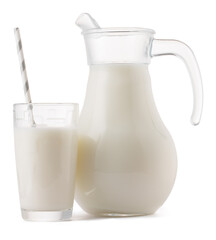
(74, 105)
(57, 103)
(119, 31)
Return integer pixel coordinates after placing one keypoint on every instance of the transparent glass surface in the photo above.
(118, 45)
(45, 137)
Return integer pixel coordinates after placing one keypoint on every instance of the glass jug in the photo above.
(126, 158)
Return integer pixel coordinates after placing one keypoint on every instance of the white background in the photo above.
(57, 69)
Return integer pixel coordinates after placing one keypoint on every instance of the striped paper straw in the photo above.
(23, 72)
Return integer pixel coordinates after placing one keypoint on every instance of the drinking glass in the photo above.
(45, 138)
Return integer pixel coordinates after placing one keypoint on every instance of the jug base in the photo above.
(123, 214)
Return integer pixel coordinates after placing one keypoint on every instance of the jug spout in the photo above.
(86, 22)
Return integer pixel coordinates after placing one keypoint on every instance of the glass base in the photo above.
(47, 216)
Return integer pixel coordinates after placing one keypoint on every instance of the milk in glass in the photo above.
(46, 165)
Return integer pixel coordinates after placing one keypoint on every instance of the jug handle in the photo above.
(179, 49)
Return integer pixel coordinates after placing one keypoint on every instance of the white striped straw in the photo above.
(23, 72)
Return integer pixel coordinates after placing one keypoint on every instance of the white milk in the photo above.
(46, 164)
(126, 158)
